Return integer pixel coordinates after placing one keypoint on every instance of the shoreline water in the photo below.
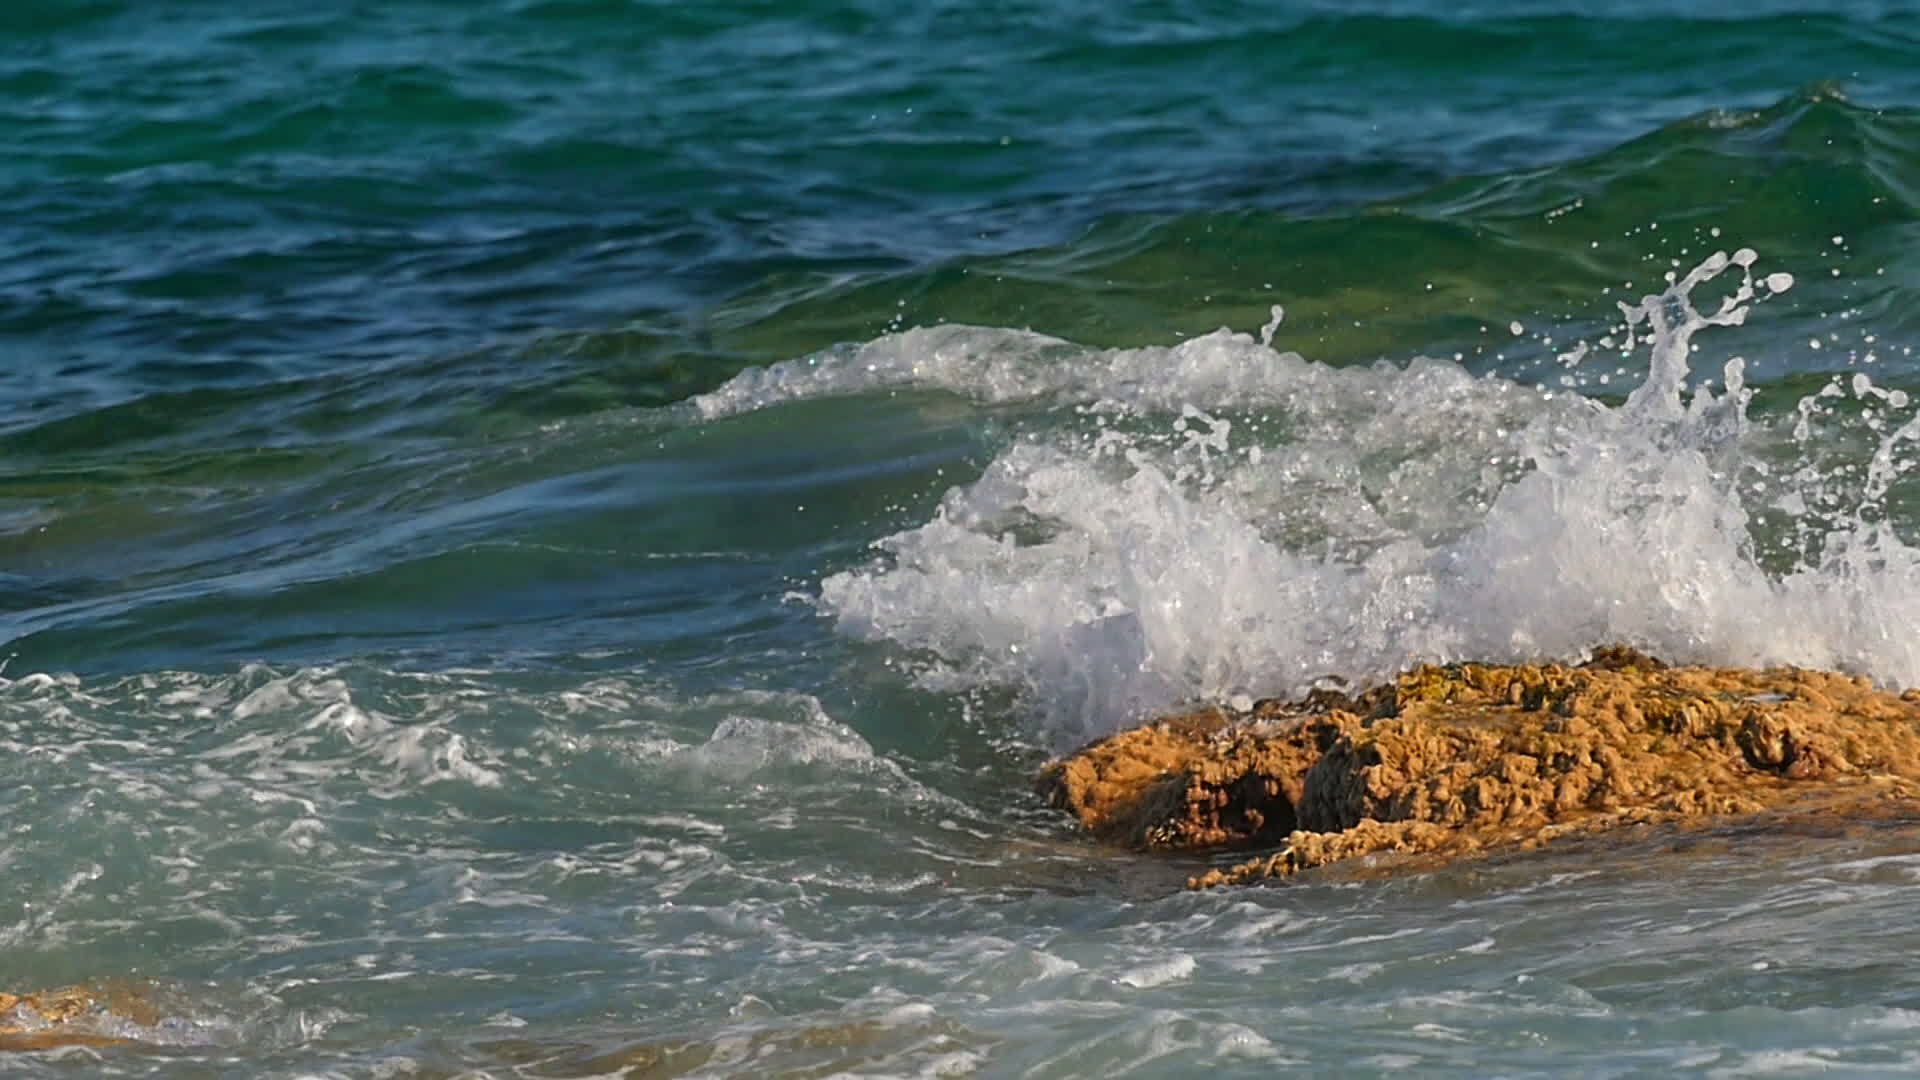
(551, 536)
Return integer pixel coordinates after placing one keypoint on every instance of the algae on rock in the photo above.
(1465, 758)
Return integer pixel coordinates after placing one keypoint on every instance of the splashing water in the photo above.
(1293, 522)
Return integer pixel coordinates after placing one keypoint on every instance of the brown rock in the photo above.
(1469, 758)
(69, 1016)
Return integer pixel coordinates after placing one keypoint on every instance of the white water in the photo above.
(1220, 520)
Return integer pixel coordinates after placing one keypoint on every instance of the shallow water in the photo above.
(548, 539)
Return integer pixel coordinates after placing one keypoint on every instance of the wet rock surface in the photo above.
(1466, 759)
(70, 1016)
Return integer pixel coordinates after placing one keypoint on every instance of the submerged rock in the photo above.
(71, 1016)
(1469, 758)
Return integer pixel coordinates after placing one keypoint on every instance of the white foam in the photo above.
(744, 745)
(1217, 519)
(1218, 371)
(1175, 968)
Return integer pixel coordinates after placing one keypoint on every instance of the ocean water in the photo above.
(548, 538)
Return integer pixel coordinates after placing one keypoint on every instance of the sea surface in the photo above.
(548, 538)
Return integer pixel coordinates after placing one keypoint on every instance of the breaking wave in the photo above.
(1219, 519)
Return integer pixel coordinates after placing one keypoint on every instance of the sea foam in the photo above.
(1220, 520)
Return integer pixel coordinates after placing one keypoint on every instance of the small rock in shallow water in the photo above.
(71, 1016)
(1469, 758)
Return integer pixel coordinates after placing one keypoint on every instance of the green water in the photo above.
(548, 538)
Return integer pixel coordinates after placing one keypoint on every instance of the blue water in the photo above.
(550, 538)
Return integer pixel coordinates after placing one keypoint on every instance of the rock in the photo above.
(1469, 758)
(70, 1016)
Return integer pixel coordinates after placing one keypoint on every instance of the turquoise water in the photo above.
(549, 538)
